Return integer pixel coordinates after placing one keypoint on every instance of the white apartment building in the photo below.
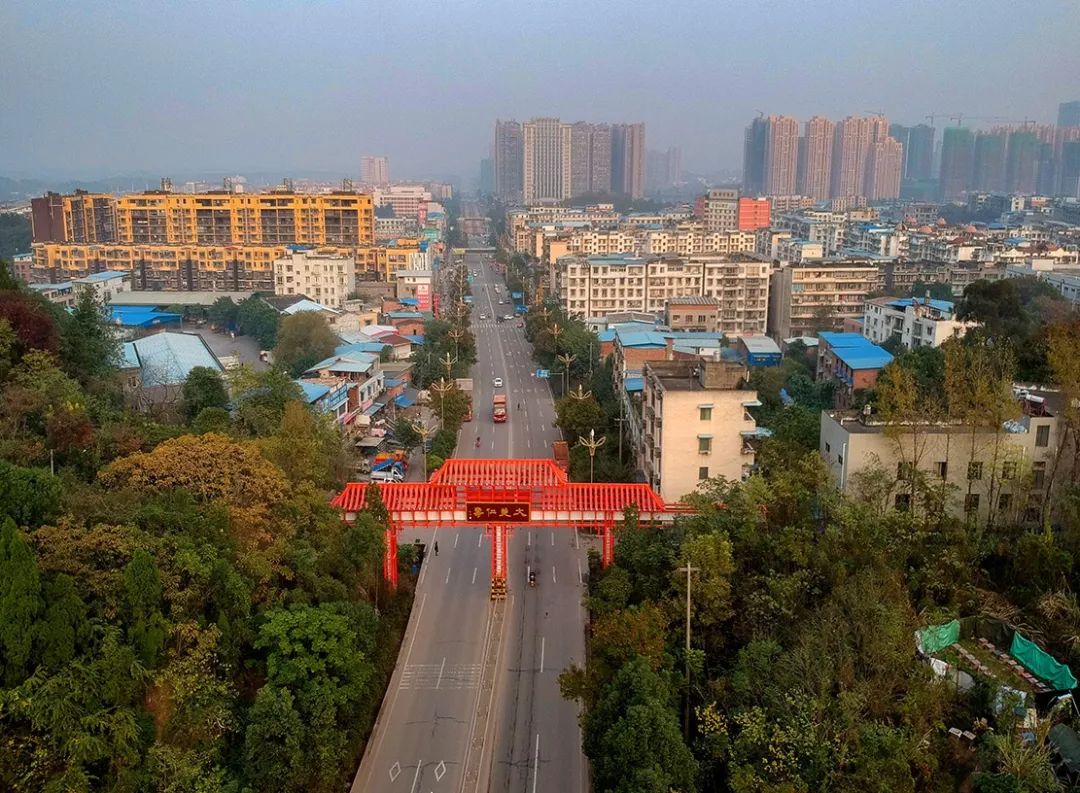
(324, 277)
(875, 239)
(690, 242)
(105, 285)
(405, 199)
(693, 424)
(807, 298)
(387, 229)
(598, 285)
(815, 226)
(914, 322)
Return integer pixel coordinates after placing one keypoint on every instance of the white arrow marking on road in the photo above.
(395, 771)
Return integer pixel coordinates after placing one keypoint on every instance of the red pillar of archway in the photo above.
(500, 536)
(390, 571)
(607, 554)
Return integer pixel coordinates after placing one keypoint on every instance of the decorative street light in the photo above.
(455, 334)
(581, 394)
(425, 432)
(448, 361)
(442, 388)
(566, 360)
(592, 444)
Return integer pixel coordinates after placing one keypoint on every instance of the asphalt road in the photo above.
(427, 722)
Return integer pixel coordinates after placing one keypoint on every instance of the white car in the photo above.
(483, 316)
(497, 382)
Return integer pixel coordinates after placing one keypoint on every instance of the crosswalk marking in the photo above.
(426, 676)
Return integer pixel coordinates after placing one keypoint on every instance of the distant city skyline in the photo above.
(310, 87)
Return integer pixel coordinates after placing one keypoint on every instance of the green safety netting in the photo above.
(1057, 675)
(938, 637)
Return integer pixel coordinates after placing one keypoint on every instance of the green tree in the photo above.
(303, 339)
(89, 347)
(575, 417)
(274, 742)
(259, 399)
(63, 627)
(203, 389)
(20, 604)
(29, 496)
(147, 628)
(632, 736)
(211, 420)
(258, 319)
(223, 313)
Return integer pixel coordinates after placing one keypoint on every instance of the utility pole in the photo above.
(686, 715)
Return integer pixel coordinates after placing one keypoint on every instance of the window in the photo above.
(1032, 514)
(827, 448)
(840, 459)
(971, 503)
(1038, 474)
(975, 470)
(704, 444)
(905, 472)
(1004, 501)
(903, 501)
(703, 472)
(1008, 470)
(941, 468)
(705, 414)
(1042, 435)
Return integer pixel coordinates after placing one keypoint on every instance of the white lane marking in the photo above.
(580, 577)
(541, 655)
(553, 539)
(529, 543)
(440, 770)
(553, 575)
(479, 539)
(395, 770)
(456, 538)
(442, 668)
(528, 570)
(536, 761)
(577, 539)
(419, 765)
(545, 443)
(447, 577)
(474, 574)
(412, 641)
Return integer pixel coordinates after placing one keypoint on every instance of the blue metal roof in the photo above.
(404, 400)
(642, 339)
(415, 339)
(313, 392)
(404, 315)
(141, 316)
(409, 301)
(605, 336)
(367, 347)
(634, 384)
(374, 408)
(938, 305)
(856, 351)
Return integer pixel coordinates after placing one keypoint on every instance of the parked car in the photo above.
(497, 382)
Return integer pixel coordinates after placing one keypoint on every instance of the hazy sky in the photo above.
(99, 88)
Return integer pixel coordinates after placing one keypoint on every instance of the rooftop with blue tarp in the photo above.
(415, 339)
(408, 301)
(945, 306)
(516, 295)
(404, 315)
(606, 336)
(643, 339)
(856, 351)
(141, 316)
(634, 384)
(405, 400)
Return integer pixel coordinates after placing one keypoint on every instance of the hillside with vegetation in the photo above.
(180, 607)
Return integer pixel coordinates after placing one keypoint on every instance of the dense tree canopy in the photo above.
(303, 339)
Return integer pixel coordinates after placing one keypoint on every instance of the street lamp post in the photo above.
(448, 361)
(592, 444)
(442, 388)
(581, 394)
(686, 711)
(425, 432)
(566, 360)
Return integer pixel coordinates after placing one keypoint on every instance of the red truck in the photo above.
(498, 408)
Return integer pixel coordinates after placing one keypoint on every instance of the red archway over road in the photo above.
(499, 494)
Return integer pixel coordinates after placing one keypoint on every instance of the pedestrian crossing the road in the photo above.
(432, 676)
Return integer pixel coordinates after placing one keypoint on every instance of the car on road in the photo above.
(521, 324)
(497, 382)
(483, 316)
(508, 316)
